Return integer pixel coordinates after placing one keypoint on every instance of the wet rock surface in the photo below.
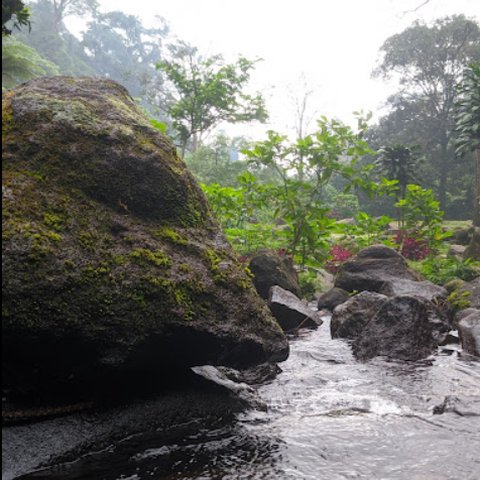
(350, 318)
(405, 328)
(375, 269)
(291, 312)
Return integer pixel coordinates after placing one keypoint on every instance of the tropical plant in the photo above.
(467, 126)
(304, 168)
(200, 93)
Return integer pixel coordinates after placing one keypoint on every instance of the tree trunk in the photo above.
(442, 187)
(476, 192)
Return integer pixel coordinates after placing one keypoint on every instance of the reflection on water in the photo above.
(328, 417)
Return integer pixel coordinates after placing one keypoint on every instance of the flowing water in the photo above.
(326, 417)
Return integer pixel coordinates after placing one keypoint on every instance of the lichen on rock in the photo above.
(112, 263)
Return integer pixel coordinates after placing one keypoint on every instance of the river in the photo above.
(327, 417)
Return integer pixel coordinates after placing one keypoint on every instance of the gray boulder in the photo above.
(291, 312)
(374, 268)
(382, 269)
(469, 333)
(405, 328)
(473, 287)
(332, 298)
(473, 249)
(349, 318)
(269, 269)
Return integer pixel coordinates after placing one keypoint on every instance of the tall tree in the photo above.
(64, 8)
(16, 11)
(54, 43)
(429, 61)
(468, 126)
(203, 92)
(120, 47)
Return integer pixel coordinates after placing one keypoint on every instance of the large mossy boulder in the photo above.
(113, 267)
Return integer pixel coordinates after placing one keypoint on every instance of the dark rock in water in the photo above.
(473, 249)
(465, 407)
(374, 269)
(199, 403)
(404, 328)
(269, 269)
(290, 312)
(350, 318)
(114, 271)
(469, 333)
(334, 297)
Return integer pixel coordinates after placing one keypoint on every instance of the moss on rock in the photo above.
(112, 260)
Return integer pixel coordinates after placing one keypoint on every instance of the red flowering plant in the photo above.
(338, 255)
(411, 245)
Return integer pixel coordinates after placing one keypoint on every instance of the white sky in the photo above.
(334, 43)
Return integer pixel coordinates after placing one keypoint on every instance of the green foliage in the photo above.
(21, 62)
(441, 270)
(367, 230)
(17, 12)
(203, 92)
(457, 301)
(421, 213)
(428, 61)
(399, 162)
(467, 118)
(218, 161)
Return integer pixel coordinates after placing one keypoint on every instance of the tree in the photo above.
(120, 47)
(467, 127)
(54, 43)
(203, 92)
(16, 10)
(64, 8)
(399, 162)
(429, 61)
(305, 167)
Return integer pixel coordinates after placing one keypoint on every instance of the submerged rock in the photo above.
(290, 312)
(404, 328)
(114, 270)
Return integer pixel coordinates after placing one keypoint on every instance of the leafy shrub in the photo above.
(441, 270)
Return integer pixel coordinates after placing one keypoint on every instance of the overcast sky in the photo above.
(334, 44)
